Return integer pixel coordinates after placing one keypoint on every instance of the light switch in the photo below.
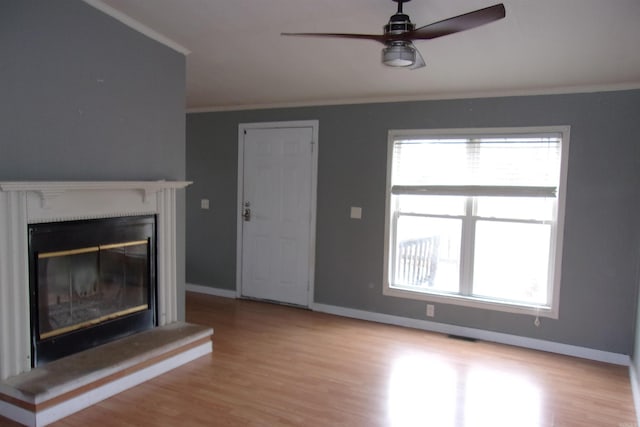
(204, 204)
(356, 212)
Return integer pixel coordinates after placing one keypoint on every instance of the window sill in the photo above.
(474, 302)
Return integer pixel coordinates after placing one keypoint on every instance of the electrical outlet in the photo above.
(356, 212)
(431, 310)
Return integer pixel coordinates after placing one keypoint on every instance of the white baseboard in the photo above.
(531, 343)
(208, 290)
(515, 340)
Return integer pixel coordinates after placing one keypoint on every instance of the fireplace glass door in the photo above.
(91, 282)
(86, 286)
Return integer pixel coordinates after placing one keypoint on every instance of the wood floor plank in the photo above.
(281, 366)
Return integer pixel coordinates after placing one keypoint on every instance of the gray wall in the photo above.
(601, 242)
(83, 97)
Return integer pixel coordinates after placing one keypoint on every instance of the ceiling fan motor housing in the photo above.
(399, 24)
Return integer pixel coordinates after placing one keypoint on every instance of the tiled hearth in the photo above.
(24, 203)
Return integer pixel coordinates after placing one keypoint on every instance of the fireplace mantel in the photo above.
(150, 186)
(50, 190)
(29, 202)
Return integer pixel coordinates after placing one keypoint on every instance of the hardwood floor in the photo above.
(274, 365)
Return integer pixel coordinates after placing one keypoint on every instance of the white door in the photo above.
(277, 220)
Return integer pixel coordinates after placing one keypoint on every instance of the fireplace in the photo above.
(29, 204)
(83, 278)
(90, 282)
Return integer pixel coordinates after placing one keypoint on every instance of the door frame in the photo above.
(242, 127)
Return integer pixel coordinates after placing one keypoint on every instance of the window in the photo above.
(474, 217)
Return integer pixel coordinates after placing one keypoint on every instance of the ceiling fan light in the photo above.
(398, 56)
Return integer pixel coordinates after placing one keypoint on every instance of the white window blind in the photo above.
(505, 166)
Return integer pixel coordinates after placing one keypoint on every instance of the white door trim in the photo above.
(314, 186)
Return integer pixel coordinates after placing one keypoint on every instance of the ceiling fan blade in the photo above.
(419, 60)
(374, 37)
(458, 23)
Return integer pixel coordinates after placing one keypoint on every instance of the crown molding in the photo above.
(138, 26)
(423, 97)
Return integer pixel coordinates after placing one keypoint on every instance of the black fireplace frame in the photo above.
(67, 235)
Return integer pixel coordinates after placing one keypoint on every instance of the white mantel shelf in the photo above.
(74, 200)
(90, 185)
(52, 189)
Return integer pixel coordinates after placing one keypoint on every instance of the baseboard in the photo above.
(208, 290)
(514, 340)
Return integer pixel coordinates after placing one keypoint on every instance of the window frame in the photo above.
(555, 264)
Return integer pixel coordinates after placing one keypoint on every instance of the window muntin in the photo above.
(490, 203)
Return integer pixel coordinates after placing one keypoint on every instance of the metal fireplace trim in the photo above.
(94, 321)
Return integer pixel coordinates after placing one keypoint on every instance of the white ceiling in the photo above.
(238, 59)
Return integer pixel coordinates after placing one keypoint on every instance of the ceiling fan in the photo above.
(400, 33)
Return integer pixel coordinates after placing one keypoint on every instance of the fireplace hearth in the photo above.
(90, 282)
